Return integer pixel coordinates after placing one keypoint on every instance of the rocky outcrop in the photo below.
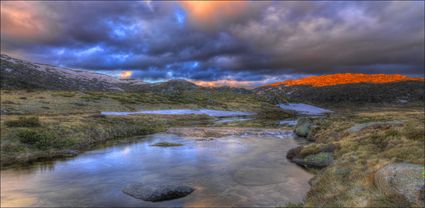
(303, 126)
(319, 160)
(312, 156)
(157, 192)
(402, 180)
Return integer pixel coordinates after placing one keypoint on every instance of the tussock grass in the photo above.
(32, 121)
(348, 182)
(65, 102)
(64, 93)
(42, 139)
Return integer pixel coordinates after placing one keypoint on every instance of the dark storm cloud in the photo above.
(253, 41)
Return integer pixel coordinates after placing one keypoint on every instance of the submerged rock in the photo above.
(167, 144)
(157, 193)
(402, 180)
(303, 126)
(253, 176)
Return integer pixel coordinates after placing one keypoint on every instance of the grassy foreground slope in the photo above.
(349, 181)
(43, 124)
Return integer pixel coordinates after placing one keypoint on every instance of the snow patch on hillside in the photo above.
(304, 109)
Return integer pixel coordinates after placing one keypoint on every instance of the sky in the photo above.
(214, 43)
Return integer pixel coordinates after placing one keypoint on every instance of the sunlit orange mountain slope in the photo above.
(338, 79)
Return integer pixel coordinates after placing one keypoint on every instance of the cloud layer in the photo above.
(251, 42)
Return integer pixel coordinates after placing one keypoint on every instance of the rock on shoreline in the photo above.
(318, 157)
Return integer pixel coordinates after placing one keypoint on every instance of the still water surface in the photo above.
(228, 171)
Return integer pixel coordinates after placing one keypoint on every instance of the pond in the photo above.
(227, 171)
(209, 112)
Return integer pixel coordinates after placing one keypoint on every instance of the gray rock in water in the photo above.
(303, 126)
(159, 192)
(319, 160)
(402, 180)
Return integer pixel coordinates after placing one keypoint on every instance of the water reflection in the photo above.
(230, 171)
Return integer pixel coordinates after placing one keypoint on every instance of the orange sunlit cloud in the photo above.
(348, 78)
(23, 20)
(208, 14)
(126, 74)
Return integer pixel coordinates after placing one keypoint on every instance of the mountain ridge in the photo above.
(21, 74)
(345, 78)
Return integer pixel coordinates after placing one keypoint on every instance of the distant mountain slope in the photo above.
(19, 74)
(173, 85)
(349, 88)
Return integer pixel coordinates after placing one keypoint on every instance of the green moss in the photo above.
(42, 139)
(318, 157)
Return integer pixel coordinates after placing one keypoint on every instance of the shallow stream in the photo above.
(228, 171)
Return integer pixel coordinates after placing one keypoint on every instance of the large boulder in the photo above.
(158, 192)
(402, 180)
(303, 126)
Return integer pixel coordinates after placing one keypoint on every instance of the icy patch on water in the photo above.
(214, 113)
(304, 109)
